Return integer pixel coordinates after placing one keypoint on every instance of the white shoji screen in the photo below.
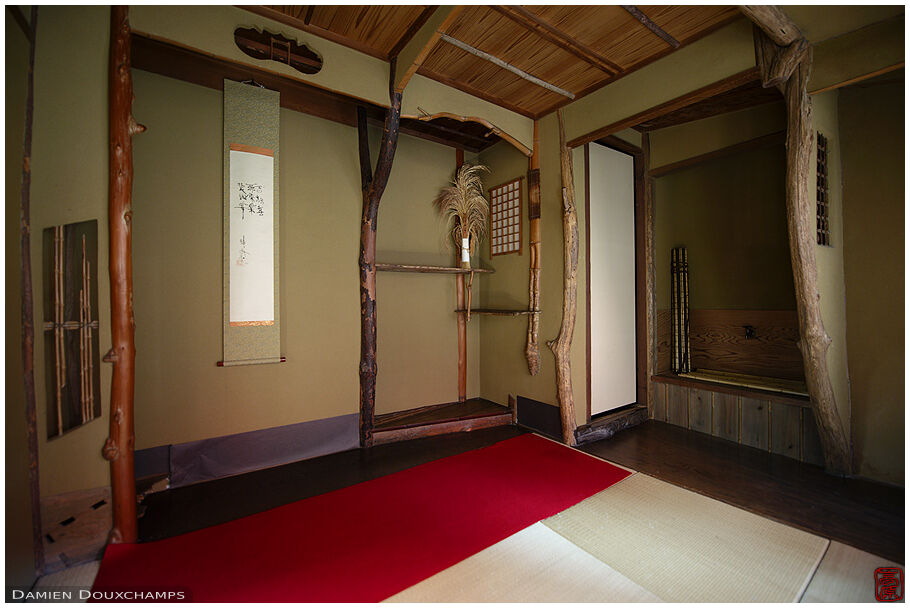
(505, 218)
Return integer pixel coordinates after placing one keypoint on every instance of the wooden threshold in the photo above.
(430, 430)
(608, 425)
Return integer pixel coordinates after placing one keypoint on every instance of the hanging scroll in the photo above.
(251, 322)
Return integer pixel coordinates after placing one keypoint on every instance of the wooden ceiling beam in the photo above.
(412, 30)
(309, 14)
(417, 49)
(557, 37)
(648, 23)
(464, 46)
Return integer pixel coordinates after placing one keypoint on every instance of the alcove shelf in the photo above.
(430, 269)
(496, 312)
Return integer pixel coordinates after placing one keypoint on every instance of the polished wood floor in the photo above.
(860, 513)
(448, 412)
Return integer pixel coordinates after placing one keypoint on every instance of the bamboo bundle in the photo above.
(59, 355)
(679, 271)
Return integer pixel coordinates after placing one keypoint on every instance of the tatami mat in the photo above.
(682, 546)
(71, 579)
(845, 575)
(534, 565)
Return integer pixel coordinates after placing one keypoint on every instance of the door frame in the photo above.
(642, 271)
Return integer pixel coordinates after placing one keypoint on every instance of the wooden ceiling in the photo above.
(575, 48)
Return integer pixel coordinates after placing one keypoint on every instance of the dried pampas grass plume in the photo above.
(463, 206)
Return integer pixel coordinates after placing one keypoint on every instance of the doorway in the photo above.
(611, 238)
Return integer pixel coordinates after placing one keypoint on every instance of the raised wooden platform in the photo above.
(440, 419)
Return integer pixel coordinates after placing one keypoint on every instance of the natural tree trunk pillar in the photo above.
(814, 340)
(532, 350)
(118, 448)
(562, 345)
(785, 59)
(373, 187)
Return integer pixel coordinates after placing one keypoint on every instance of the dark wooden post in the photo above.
(27, 298)
(372, 188)
(462, 317)
(785, 59)
(532, 350)
(562, 345)
(118, 448)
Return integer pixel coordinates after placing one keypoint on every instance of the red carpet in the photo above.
(369, 541)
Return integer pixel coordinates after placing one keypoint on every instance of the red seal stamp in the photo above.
(889, 584)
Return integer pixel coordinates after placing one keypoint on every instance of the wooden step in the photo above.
(440, 419)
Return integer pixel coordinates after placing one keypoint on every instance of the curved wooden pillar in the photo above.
(562, 345)
(372, 187)
(118, 448)
(785, 60)
(532, 350)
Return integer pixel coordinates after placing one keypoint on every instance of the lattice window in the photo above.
(822, 228)
(505, 218)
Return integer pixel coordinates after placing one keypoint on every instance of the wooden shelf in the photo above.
(430, 269)
(499, 313)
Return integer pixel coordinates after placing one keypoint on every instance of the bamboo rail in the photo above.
(532, 349)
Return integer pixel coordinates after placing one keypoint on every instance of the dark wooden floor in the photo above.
(189, 508)
(859, 513)
(472, 408)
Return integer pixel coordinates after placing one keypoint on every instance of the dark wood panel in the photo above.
(539, 416)
(726, 416)
(678, 405)
(660, 401)
(811, 445)
(719, 342)
(700, 405)
(862, 514)
(749, 95)
(785, 430)
(754, 423)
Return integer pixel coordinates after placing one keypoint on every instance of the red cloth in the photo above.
(371, 540)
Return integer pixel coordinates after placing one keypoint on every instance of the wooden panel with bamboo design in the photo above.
(71, 353)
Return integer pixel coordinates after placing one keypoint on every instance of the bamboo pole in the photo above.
(27, 303)
(462, 320)
(775, 45)
(90, 346)
(532, 349)
(372, 189)
(58, 327)
(562, 345)
(118, 449)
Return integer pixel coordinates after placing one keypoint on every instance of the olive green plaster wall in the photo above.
(181, 395)
(730, 214)
(20, 557)
(504, 369)
(858, 53)
(830, 260)
(872, 137)
(723, 53)
(69, 184)
(691, 139)
(210, 28)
